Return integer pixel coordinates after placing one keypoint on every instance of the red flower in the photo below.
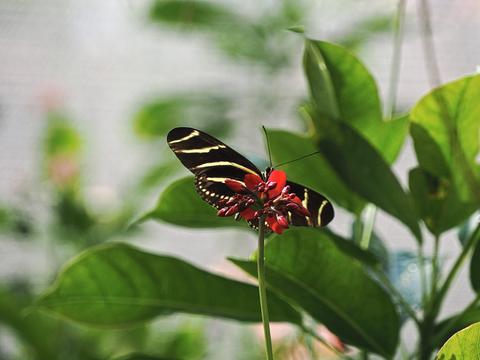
(255, 198)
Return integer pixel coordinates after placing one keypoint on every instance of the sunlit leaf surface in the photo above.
(464, 345)
(448, 116)
(343, 89)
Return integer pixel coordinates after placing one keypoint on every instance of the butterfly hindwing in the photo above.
(211, 161)
(321, 210)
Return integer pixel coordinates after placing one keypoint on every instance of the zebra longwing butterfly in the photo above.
(221, 174)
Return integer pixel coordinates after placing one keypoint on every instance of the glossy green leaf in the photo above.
(366, 172)
(179, 204)
(155, 119)
(343, 89)
(449, 115)
(353, 250)
(464, 345)
(453, 324)
(437, 201)
(190, 13)
(117, 284)
(307, 267)
(314, 172)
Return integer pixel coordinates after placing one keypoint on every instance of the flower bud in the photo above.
(282, 220)
(271, 185)
(286, 190)
(232, 210)
(222, 211)
(291, 196)
(234, 185)
(292, 206)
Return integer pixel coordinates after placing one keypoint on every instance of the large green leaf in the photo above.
(462, 346)
(306, 266)
(437, 201)
(179, 204)
(343, 89)
(117, 284)
(449, 115)
(314, 172)
(366, 172)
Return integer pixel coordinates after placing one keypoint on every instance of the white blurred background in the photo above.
(100, 61)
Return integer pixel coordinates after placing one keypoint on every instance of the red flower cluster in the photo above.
(255, 198)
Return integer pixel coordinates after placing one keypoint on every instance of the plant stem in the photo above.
(262, 289)
(432, 309)
(423, 274)
(454, 321)
(435, 268)
(370, 214)
(396, 56)
(467, 249)
(431, 63)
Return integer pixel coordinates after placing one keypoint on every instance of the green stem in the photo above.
(467, 249)
(397, 54)
(432, 309)
(454, 321)
(262, 289)
(431, 62)
(435, 268)
(370, 213)
(423, 274)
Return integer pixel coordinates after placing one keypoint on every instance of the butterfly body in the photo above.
(216, 166)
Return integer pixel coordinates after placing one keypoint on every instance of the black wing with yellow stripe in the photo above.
(211, 161)
(320, 209)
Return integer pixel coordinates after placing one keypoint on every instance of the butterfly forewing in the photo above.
(320, 209)
(211, 161)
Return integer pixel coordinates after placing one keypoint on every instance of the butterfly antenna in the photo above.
(268, 146)
(297, 159)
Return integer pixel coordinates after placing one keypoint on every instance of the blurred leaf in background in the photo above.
(156, 118)
(258, 39)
